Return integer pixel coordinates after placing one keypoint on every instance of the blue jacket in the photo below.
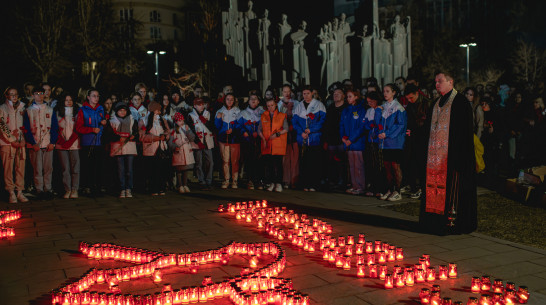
(352, 125)
(87, 119)
(313, 118)
(372, 120)
(249, 120)
(229, 121)
(393, 124)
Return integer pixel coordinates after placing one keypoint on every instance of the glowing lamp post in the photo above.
(467, 46)
(156, 54)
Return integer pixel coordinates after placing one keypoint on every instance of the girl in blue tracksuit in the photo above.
(307, 120)
(229, 139)
(375, 170)
(249, 120)
(351, 129)
(391, 134)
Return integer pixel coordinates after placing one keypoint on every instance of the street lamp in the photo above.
(157, 53)
(467, 46)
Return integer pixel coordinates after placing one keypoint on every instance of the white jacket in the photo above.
(118, 148)
(184, 156)
(201, 130)
(66, 128)
(13, 118)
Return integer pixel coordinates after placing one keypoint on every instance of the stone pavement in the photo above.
(43, 254)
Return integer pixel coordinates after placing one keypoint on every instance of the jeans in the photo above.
(42, 162)
(125, 171)
(70, 162)
(204, 167)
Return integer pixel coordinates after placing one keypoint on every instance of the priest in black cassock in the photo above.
(449, 205)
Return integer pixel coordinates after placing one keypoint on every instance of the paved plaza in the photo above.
(44, 255)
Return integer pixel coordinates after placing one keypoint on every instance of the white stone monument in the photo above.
(263, 35)
(366, 59)
(300, 74)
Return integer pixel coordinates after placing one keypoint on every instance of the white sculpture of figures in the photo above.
(239, 53)
(263, 35)
(383, 58)
(408, 41)
(366, 54)
(284, 29)
(345, 48)
(300, 73)
(248, 17)
(399, 41)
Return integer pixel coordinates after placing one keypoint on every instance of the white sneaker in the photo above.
(74, 194)
(278, 187)
(225, 184)
(395, 196)
(416, 195)
(12, 197)
(186, 188)
(122, 194)
(312, 190)
(128, 193)
(405, 189)
(21, 197)
(234, 185)
(181, 189)
(385, 196)
(270, 187)
(349, 191)
(67, 195)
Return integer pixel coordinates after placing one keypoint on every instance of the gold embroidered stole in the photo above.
(437, 156)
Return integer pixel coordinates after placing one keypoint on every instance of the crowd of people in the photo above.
(364, 141)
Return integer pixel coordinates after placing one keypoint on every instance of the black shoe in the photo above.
(49, 195)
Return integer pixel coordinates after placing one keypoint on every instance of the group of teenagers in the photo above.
(277, 142)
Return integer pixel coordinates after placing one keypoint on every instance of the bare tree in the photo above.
(43, 34)
(488, 75)
(528, 62)
(95, 33)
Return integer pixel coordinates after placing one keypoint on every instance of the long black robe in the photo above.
(460, 160)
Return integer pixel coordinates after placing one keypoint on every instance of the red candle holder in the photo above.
(370, 259)
(523, 294)
(373, 271)
(359, 248)
(442, 272)
(382, 271)
(475, 285)
(381, 257)
(485, 299)
(361, 270)
(486, 283)
(452, 271)
(369, 247)
(350, 239)
(389, 281)
(361, 238)
(509, 296)
(431, 274)
(347, 263)
(420, 275)
(399, 280)
(424, 295)
(410, 278)
(435, 298)
(447, 301)
(377, 246)
(399, 254)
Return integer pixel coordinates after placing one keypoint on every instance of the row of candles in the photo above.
(6, 217)
(500, 296)
(339, 252)
(254, 286)
(312, 234)
(495, 292)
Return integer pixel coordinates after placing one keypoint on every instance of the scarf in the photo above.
(124, 124)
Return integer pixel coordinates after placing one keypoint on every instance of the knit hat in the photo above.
(178, 117)
(119, 106)
(153, 106)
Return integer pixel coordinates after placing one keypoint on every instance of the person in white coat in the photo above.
(182, 144)
(123, 146)
(12, 145)
(68, 145)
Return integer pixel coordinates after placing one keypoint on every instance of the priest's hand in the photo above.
(382, 136)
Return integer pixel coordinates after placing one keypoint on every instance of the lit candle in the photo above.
(361, 238)
(399, 280)
(370, 259)
(373, 271)
(382, 271)
(388, 281)
(157, 276)
(361, 270)
(435, 298)
(254, 261)
(509, 296)
(359, 248)
(420, 275)
(498, 286)
(475, 285)
(485, 299)
(447, 301)
(377, 246)
(399, 254)
(442, 272)
(431, 274)
(523, 294)
(381, 257)
(486, 283)
(347, 263)
(424, 295)
(369, 247)
(452, 270)
(410, 278)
